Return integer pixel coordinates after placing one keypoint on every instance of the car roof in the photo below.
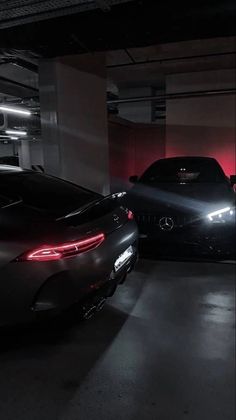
(189, 158)
(9, 168)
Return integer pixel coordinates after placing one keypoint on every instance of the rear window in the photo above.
(44, 192)
(184, 171)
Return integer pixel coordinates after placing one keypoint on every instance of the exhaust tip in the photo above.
(89, 312)
(100, 304)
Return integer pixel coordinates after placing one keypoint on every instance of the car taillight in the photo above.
(68, 249)
(130, 215)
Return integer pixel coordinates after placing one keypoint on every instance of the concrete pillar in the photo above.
(202, 125)
(24, 154)
(74, 119)
(30, 153)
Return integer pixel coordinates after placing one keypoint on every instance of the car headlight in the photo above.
(221, 215)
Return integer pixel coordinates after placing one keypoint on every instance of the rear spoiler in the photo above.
(81, 210)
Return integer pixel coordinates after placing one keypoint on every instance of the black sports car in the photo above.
(60, 245)
(185, 201)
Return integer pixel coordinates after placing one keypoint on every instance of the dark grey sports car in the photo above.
(60, 245)
(185, 203)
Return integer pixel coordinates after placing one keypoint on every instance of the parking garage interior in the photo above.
(93, 92)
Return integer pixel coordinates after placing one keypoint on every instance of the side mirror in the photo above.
(133, 179)
(232, 180)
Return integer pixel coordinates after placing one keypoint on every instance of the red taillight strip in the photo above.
(70, 249)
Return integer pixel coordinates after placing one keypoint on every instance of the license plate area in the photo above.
(123, 258)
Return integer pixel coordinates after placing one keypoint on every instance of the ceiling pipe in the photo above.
(20, 62)
(18, 84)
(27, 65)
(133, 62)
(168, 96)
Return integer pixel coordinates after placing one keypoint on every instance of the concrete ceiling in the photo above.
(18, 12)
(145, 41)
(107, 25)
(136, 67)
(56, 28)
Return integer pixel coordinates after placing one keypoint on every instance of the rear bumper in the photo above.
(58, 293)
(29, 287)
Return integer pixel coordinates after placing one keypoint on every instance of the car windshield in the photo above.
(183, 171)
(43, 192)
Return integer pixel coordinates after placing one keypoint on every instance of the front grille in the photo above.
(147, 219)
(152, 220)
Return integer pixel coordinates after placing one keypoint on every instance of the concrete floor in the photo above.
(162, 349)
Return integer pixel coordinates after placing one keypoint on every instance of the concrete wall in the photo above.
(132, 148)
(204, 125)
(139, 111)
(121, 153)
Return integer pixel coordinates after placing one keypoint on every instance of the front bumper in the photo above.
(203, 237)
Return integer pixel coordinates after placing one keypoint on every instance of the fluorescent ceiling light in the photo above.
(14, 138)
(15, 110)
(16, 132)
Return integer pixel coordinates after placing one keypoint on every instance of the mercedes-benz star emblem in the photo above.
(166, 223)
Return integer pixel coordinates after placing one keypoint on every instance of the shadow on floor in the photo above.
(42, 366)
(52, 361)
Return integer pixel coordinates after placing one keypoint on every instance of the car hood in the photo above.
(195, 197)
